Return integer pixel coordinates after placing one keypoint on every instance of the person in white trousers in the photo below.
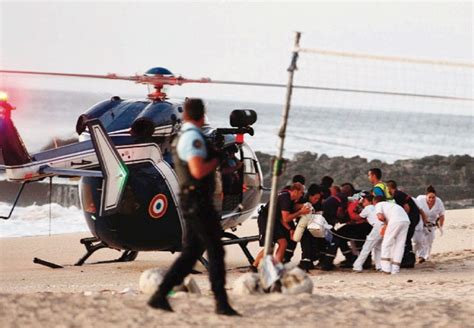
(373, 241)
(433, 208)
(393, 244)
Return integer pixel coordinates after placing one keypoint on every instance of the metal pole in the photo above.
(277, 167)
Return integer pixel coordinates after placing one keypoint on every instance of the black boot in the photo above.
(224, 308)
(158, 301)
(306, 265)
(327, 263)
(368, 263)
(408, 261)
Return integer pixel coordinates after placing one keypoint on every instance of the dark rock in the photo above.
(452, 176)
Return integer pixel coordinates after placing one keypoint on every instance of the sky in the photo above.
(224, 40)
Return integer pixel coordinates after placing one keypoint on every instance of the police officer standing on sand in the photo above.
(196, 167)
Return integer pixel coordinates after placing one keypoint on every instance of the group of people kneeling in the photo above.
(384, 225)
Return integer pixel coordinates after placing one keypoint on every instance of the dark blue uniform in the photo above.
(203, 231)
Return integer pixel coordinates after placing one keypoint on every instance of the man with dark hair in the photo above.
(348, 188)
(195, 169)
(326, 183)
(409, 205)
(379, 188)
(299, 178)
(296, 178)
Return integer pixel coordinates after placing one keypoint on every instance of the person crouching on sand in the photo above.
(393, 244)
(374, 238)
(287, 211)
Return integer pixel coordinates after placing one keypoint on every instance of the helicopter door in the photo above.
(232, 178)
(243, 181)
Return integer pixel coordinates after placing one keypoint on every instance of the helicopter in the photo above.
(128, 189)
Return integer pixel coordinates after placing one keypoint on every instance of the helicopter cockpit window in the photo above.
(252, 176)
(249, 160)
(122, 116)
(249, 166)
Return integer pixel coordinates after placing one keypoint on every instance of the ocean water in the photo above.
(385, 135)
(34, 220)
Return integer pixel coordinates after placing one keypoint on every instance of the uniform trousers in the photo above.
(373, 242)
(203, 232)
(393, 246)
(423, 240)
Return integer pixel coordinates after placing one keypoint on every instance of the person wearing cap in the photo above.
(373, 241)
(397, 222)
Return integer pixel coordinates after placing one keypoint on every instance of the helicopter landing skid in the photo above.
(232, 239)
(242, 242)
(93, 244)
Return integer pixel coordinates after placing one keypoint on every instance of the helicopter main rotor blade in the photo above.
(319, 88)
(90, 76)
(160, 80)
(142, 79)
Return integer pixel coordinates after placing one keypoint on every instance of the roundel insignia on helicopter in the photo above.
(158, 206)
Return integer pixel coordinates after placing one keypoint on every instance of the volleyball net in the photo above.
(380, 107)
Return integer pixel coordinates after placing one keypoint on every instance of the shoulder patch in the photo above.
(197, 144)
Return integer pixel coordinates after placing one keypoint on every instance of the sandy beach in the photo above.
(438, 293)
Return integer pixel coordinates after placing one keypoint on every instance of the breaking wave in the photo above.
(34, 220)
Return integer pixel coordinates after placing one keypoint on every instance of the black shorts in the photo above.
(279, 231)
